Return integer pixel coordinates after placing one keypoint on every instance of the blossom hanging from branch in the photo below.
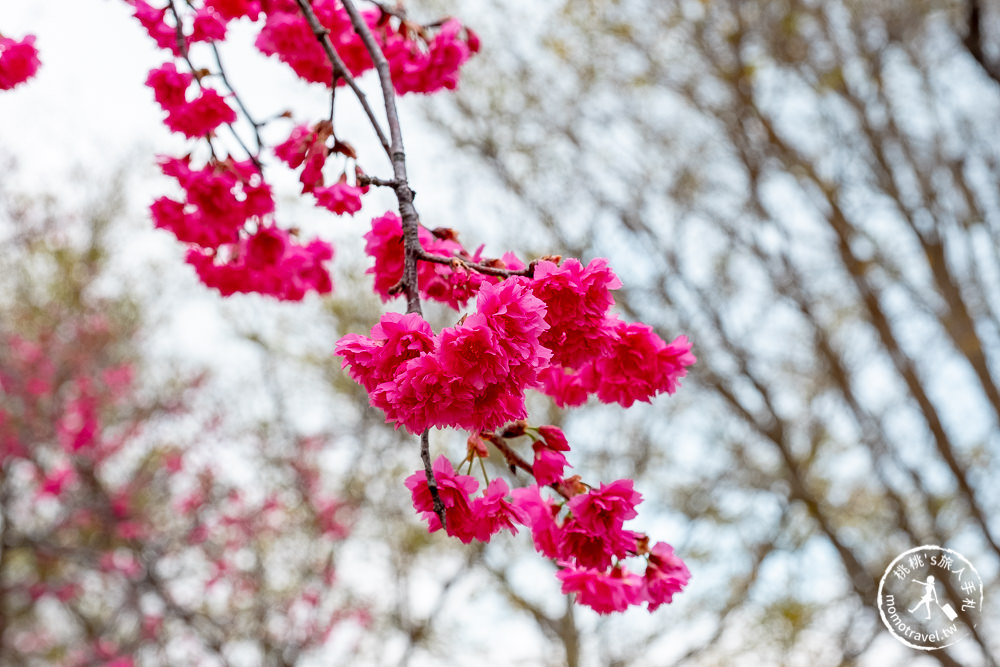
(545, 325)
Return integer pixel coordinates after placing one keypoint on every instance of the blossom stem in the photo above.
(485, 269)
(515, 460)
(486, 475)
(183, 50)
(425, 456)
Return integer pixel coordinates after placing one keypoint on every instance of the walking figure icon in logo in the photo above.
(930, 595)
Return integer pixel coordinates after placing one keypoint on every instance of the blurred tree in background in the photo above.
(809, 191)
(126, 537)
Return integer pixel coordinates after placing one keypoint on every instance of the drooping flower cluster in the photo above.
(222, 202)
(224, 248)
(551, 331)
(417, 64)
(18, 61)
(548, 326)
(585, 535)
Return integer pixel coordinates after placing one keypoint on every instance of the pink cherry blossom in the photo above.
(219, 199)
(577, 300)
(18, 61)
(287, 35)
(588, 547)
(195, 118)
(268, 262)
(565, 387)
(209, 26)
(394, 340)
(478, 372)
(554, 438)
(602, 591)
(548, 465)
(638, 365)
(448, 283)
(340, 198)
(518, 321)
(493, 512)
(426, 70)
(154, 22)
(666, 574)
(607, 508)
(541, 512)
(454, 491)
(234, 9)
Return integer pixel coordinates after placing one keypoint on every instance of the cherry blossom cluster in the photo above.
(584, 534)
(227, 213)
(552, 331)
(419, 62)
(18, 60)
(546, 327)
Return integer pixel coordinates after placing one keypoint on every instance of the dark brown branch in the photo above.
(397, 154)
(425, 456)
(375, 180)
(974, 41)
(485, 269)
(404, 196)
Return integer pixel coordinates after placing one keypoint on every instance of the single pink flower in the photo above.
(594, 548)
(18, 61)
(602, 591)
(234, 9)
(577, 300)
(340, 198)
(209, 26)
(541, 512)
(666, 574)
(606, 508)
(492, 512)
(548, 465)
(554, 438)
(395, 340)
(153, 20)
(638, 365)
(454, 491)
(564, 386)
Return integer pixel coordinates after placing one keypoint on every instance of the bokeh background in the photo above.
(806, 189)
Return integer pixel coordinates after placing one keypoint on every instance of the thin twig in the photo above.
(183, 50)
(340, 69)
(375, 180)
(239, 101)
(425, 456)
(485, 269)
